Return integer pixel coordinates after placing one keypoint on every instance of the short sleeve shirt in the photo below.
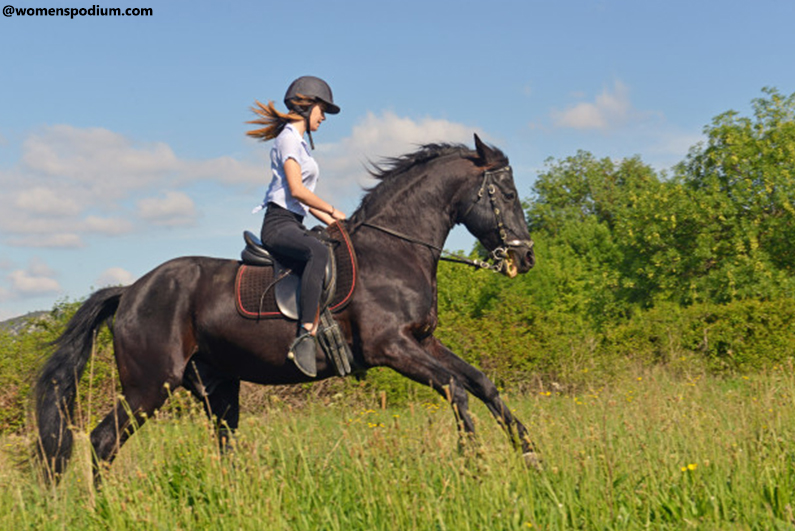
(290, 145)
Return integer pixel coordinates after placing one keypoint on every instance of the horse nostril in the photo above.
(530, 257)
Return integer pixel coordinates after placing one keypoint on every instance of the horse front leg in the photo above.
(220, 396)
(484, 389)
(408, 357)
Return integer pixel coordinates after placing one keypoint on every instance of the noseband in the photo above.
(499, 255)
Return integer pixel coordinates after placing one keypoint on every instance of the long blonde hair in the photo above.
(273, 121)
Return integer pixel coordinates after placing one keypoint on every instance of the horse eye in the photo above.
(509, 196)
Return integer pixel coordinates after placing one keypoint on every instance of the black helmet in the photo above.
(311, 87)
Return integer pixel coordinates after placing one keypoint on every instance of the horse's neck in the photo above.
(424, 214)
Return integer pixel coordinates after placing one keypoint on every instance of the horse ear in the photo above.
(484, 151)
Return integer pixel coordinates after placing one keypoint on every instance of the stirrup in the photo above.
(303, 353)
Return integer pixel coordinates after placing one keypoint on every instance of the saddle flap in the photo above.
(288, 287)
(287, 291)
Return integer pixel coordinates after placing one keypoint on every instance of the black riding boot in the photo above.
(303, 352)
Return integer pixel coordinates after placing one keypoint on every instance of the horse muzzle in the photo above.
(519, 258)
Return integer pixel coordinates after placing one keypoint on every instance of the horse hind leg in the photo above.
(128, 415)
(153, 339)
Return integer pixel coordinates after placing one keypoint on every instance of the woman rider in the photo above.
(291, 196)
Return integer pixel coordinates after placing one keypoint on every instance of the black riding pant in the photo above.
(284, 235)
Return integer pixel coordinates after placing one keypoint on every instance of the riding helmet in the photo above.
(310, 87)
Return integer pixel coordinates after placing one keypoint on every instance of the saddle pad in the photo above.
(254, 285)
(254, 292)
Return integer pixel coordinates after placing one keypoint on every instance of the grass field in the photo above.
(650, 452)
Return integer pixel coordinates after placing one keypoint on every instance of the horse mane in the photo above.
(394, 173)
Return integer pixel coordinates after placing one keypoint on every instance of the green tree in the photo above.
(742, 180)
(582, 212)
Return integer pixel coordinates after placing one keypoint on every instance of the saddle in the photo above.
(266, 288)
(282, 278)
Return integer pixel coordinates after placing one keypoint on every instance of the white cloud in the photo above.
(115, 276)
(98, 157)
(70, 182)
(24, 283)
(173, 209)
(66, 240)
(224, 170)
(390, 134)
(44, 201)
(378, 136)
(611, 109)
(37, 279)
(39, 268)
(106, 226)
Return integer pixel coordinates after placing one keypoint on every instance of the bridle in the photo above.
(498, 255)
(488, 186)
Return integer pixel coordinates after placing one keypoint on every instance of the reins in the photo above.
(443, 255)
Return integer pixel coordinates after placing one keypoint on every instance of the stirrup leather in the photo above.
(333, 344)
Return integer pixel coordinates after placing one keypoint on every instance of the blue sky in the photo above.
(122, 138)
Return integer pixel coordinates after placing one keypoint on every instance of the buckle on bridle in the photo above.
(499, 254)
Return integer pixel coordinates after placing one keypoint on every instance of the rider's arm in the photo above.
(322, 216)
(317, 206)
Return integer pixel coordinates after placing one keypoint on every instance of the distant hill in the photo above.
(17, 325)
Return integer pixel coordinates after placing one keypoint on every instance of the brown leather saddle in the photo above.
(266, 288)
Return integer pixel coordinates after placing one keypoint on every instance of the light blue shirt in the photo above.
(290, 145)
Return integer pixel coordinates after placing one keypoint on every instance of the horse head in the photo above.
(492, 212)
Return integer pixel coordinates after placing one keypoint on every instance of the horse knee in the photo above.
(454, 392)
(456, 395)
(461, 395)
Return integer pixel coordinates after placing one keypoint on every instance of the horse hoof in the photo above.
(533, 460)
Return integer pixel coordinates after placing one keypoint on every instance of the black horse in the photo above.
(184, 309)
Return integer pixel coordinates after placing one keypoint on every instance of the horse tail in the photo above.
(56, 387)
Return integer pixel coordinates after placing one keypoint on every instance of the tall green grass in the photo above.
(650, 452)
